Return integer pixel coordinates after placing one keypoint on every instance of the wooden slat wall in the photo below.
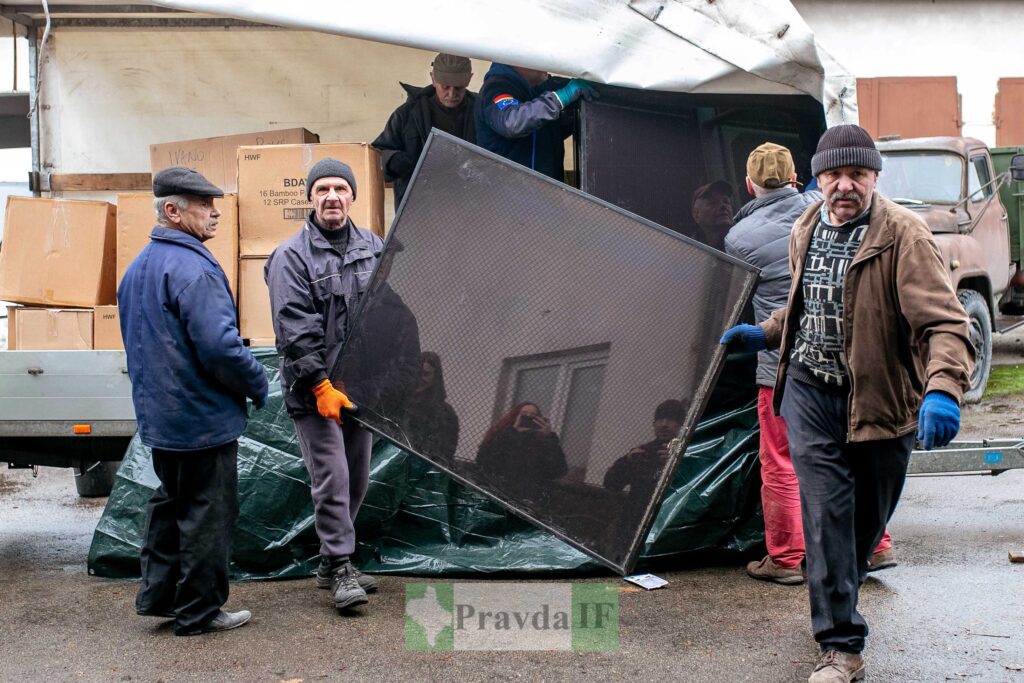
(110, 182)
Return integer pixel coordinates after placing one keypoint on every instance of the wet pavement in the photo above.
(952, 610)
(1008, 348)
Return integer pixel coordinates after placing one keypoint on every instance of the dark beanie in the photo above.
(846, 145)
(670, 409)
(330, 168)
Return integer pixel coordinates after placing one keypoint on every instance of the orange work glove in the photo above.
(330, 401)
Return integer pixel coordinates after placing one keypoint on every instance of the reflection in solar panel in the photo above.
(540, 345)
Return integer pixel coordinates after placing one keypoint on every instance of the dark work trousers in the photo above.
(189, 525)
(848, 492)
(338, 460)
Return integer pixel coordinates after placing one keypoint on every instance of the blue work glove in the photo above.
(573, 90)
(939, 420)
(748, 338)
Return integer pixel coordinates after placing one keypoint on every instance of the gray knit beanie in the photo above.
(846, 145)
(330, 168)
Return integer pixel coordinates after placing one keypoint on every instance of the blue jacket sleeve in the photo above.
(522, 118)
(298, 326)
(208, 315)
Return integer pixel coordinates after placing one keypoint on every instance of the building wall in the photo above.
(978, 42)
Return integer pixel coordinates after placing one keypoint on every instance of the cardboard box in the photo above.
(48, 329)
(272, 203)
(136, 218)
(254, 319)
(58, 252)
(106, 328)
(215, 157)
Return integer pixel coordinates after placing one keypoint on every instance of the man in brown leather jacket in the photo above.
(872, 324)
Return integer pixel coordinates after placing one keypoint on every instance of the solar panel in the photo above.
(522, 335)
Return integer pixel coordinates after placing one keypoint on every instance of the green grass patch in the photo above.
(1004, 380)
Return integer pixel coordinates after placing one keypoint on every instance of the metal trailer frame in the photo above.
(85, 397)
(988, 456)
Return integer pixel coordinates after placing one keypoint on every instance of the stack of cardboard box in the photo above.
(62, 259)
(272, 206)
(58, 259)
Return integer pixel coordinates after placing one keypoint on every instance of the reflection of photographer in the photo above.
(640, 469)
(530, 419)
(520, 453)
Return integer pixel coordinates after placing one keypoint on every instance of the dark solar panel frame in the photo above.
(455, 184)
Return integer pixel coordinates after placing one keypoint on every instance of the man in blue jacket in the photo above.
(190, 377)
(520, 117)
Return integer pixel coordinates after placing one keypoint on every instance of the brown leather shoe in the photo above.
(767, 570)
(881, 560)
(837, 667)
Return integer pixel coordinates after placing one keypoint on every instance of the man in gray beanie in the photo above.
(316, 279)
(871, 324)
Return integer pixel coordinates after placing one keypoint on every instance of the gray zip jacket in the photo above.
(314, 290)
(761, 238)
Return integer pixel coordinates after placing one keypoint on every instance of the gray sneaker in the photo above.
(346, 589)
(838, 667)
(325, 577)
(224, 621)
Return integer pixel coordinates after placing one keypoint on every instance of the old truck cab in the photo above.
(952, 184)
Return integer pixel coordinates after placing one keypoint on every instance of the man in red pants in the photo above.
(761, 238)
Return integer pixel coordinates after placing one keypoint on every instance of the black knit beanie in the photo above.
(846, 145)
(671, 409)
(330, 168)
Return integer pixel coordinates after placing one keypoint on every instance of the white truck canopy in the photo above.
(114, 78)
(723, 46)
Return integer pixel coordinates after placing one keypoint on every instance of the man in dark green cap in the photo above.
(445, 104)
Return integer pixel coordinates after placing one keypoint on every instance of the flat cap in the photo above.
(181, 180)
(451, 70)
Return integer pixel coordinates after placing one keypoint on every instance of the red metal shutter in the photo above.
(1009, 112)
(909, 106)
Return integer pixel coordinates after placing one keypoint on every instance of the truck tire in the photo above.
(980, 331)
(96, 480)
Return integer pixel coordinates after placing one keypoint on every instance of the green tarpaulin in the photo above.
(417, 520)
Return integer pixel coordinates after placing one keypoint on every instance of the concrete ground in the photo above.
(951, 611)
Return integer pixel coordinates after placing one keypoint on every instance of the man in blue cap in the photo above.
(316, 279)
(191, 375)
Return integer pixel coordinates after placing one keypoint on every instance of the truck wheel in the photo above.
(96, 480)
(979, 326)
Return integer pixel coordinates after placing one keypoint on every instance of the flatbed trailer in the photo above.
(66, 409)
